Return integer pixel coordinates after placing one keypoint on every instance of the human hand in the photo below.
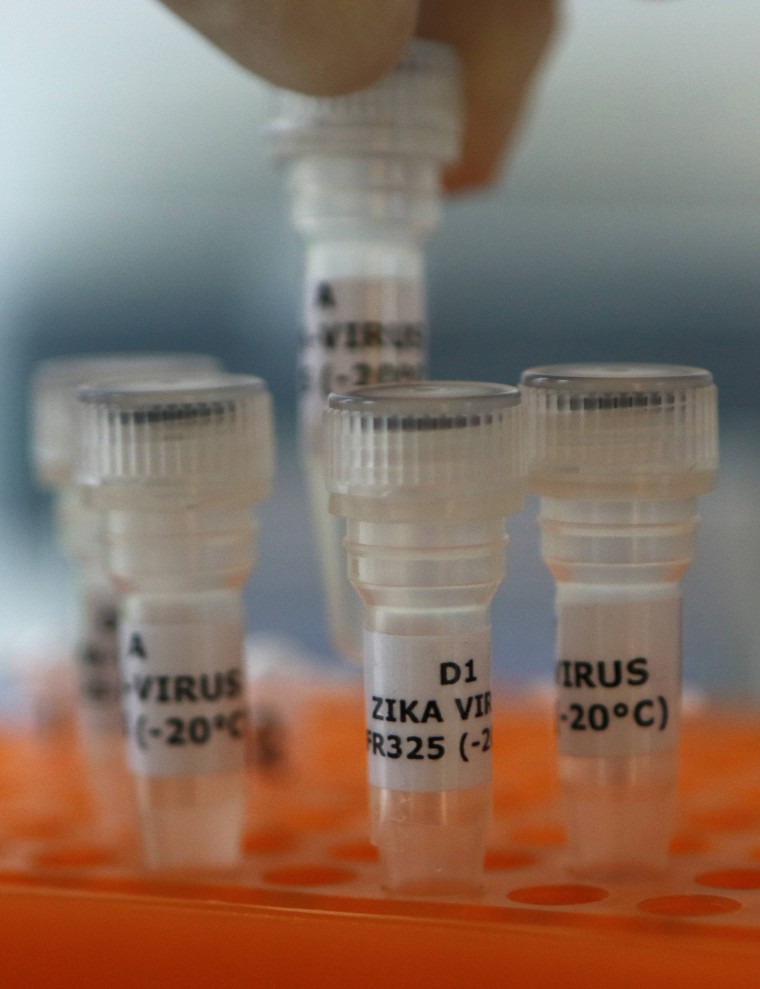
(329, 47)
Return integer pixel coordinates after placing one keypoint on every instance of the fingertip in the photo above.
(322, 48)
(501, 46)
(353, 66)
(469, 176)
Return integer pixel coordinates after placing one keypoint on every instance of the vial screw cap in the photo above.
(208, 436)
(54, 398)
(413, 111)
(620, 431)
(408, 452)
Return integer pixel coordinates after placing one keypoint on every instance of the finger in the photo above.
(501, 43)
(322, 47)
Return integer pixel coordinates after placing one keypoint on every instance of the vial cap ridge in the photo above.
(207, 433)
(620, 430)
(416, 110)
(54, 407)
(425, 447)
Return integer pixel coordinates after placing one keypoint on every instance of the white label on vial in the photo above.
(359, 331)
(428, 704)
(98, 654)
(184, 699)
(618, 677)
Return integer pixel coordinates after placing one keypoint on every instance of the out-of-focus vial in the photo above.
(424, 474)
(363, 172)
(619, 454)
(176, 468)
(53, 415)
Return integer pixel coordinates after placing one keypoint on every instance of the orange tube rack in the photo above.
(306, 907)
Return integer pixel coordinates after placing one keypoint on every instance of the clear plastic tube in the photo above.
(54, 437)
(426, 591)
(378, 290)
(186, 721)
(175, 469)
(363, 175)
(618, 567)
(618, 453)
(425, 543)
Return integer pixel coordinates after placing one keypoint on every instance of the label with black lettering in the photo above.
(359, 331)
(98, 663)
(618, 677)
(184, 698)
(428, 703)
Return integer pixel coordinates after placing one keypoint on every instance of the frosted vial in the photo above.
(619, 454)
(176, 469)
(363, 174)
(424, 474)
(53, 414)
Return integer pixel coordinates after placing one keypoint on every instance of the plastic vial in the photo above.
(176, 468)
(54, 434)
(424, 474)
(363, 173)
(618, 454)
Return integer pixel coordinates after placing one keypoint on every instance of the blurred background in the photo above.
(139, 209)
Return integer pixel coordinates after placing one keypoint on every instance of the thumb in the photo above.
(320, 47)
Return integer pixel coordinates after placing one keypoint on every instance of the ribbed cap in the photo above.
(416, 110)
(206, 437)
(620, 430)
(53, 412)
(425, 451)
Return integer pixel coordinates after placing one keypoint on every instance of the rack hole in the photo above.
(689, 905)
(309, 875)
(731, 878)
(688, 844)
(355, 851)
(559, 895)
